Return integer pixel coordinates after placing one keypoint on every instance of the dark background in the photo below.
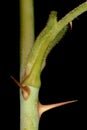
(64, 77)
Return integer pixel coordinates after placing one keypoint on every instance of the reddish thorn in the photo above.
(70, 25)
(44, 108)
(25, 89)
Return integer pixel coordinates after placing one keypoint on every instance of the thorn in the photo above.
(44, 108)
(70, 25)
(25, 89)
(18, 83)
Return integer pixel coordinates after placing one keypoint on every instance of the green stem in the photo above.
(28, 108)
(71, 16)
(29, 117)
(26, 32)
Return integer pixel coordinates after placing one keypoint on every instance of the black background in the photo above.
(63, 78)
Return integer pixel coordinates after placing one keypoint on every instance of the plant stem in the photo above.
(72, 15)
(26, 32)
(29, 113)
(28, 108)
